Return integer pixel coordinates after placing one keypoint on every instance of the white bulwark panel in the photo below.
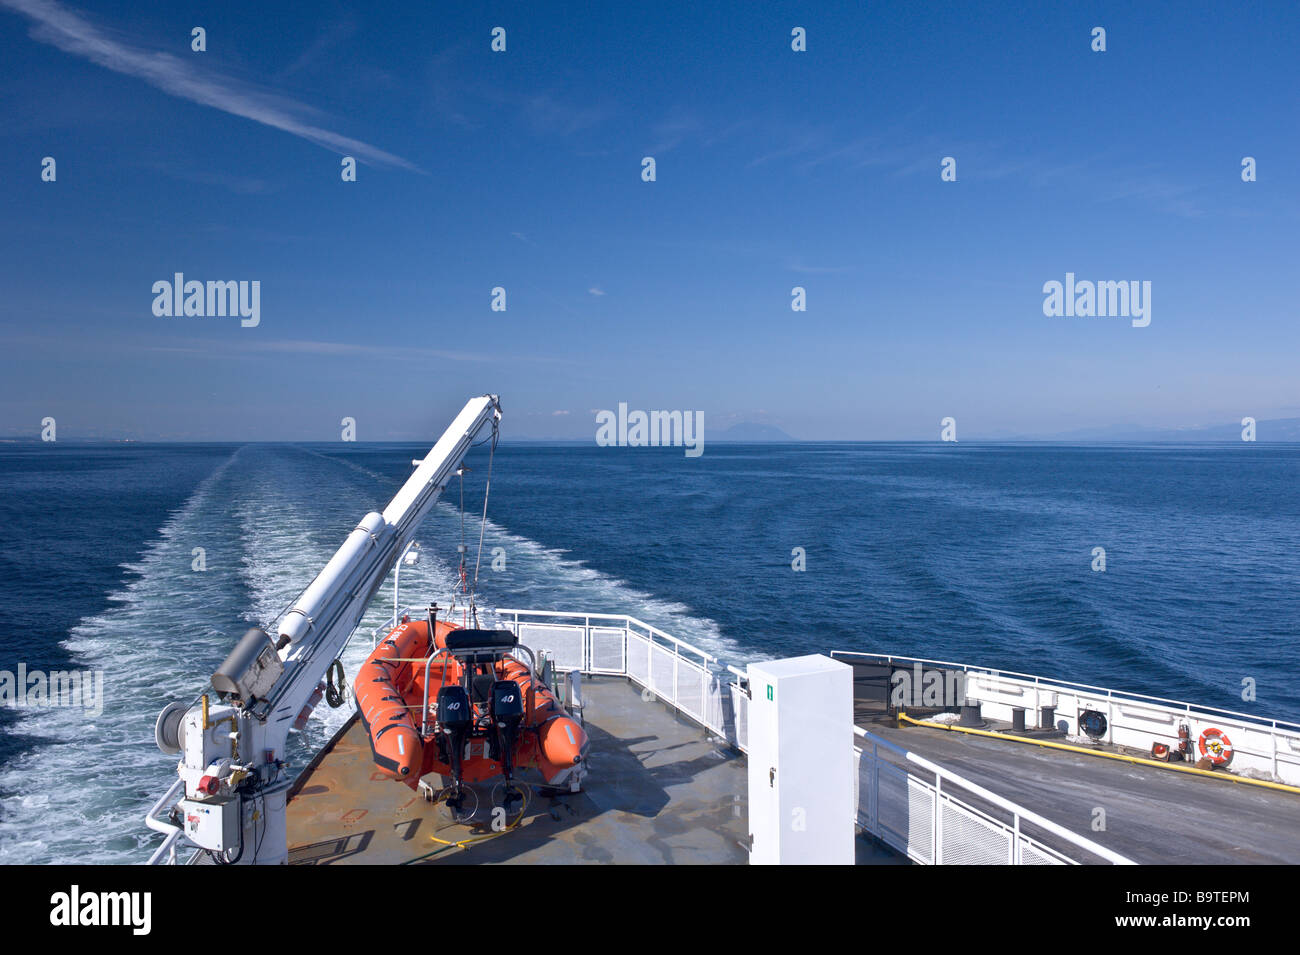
(801, 770)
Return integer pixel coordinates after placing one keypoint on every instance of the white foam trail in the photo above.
(84, 788)
(537, 577)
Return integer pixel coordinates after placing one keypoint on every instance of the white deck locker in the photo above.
(801, 766)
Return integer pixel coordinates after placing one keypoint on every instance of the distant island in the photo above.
(750, 432)
(1267, 430)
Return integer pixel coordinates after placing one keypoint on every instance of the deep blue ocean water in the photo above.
(977, 553)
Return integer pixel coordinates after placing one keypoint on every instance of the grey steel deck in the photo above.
(1152, 815)
(660, 790)
(663, 790)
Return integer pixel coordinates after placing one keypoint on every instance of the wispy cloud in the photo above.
(242, 185)
(244, 346)
(797, 266)
(547, 113)
(553, 111)
(671, 132)
(251, 345)
(595, 290)
(795, 144)
(354, 349)
(1151, 186)
(68, 30)
(326, 40)
(1108, 176)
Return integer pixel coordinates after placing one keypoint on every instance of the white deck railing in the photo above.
(683, 676)
(911, 804)
(1261, 747)
(908, 802)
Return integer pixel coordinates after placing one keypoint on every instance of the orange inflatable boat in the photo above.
(465, 707)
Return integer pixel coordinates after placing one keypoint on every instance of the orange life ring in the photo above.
(1215, 746)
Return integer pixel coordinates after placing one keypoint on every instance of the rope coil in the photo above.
(335, 692)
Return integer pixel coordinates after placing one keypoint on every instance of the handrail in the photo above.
(563, 613)
(1049, 682)
(424, 710)
(165, 854)
(1000, 801)
(389, 624)
(151, 819)
(627, 619)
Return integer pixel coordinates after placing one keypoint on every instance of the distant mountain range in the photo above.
(1267, 430)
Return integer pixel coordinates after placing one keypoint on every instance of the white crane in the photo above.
(231, 795)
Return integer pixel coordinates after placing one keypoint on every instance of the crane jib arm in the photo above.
(231, 796)
(320, 621)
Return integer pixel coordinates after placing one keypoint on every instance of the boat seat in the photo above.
(462, 641)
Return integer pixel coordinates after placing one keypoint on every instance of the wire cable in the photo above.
(487, 489)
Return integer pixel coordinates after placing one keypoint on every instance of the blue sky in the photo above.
(523, 170)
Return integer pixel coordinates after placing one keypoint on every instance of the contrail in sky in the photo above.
(72, 33)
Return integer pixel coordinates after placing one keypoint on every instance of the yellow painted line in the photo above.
(1141, 761)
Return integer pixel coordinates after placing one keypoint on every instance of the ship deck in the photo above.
(663, 790)
(660, 790)
(1152, 815)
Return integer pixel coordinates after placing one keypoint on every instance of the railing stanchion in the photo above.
(937, 855)
(875, 787)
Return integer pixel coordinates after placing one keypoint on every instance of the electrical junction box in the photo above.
(250, 671)
(802, 797)
(212, 823)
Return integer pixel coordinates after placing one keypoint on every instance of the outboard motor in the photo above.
(507, 710)
(455, 720)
